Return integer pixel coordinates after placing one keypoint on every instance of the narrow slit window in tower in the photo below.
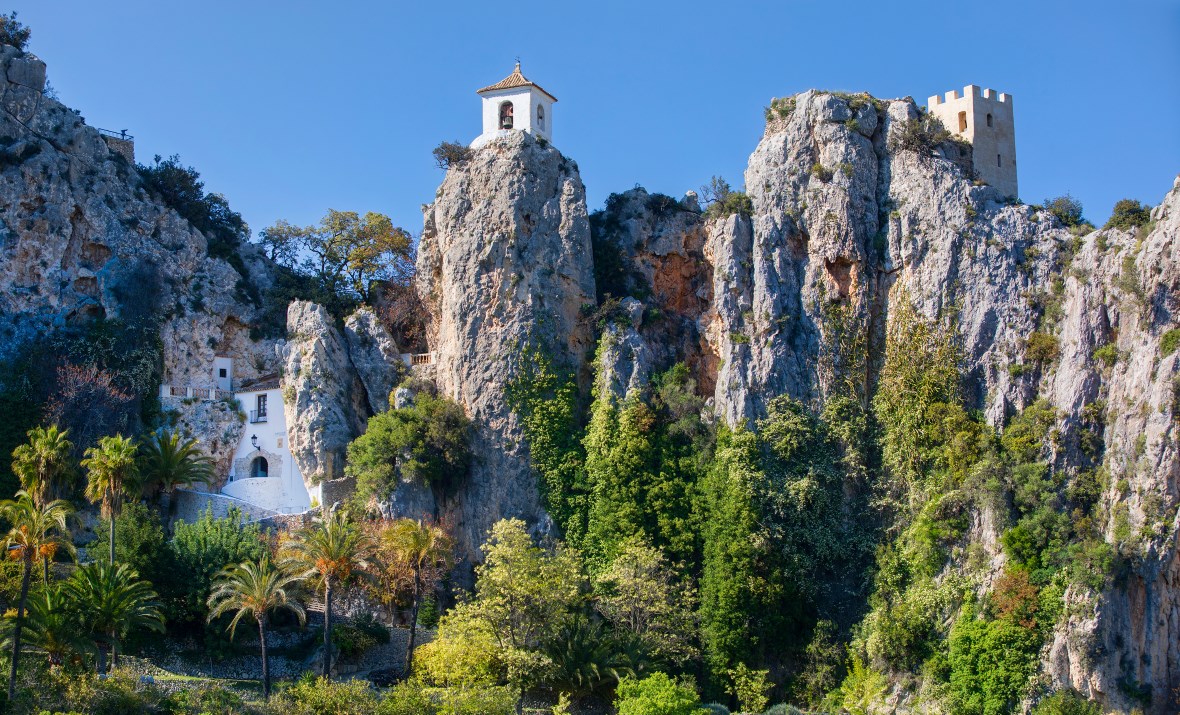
(989, 120)
(962, 121)
(998, 162)
(540, 117)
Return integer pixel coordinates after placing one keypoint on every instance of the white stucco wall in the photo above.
(222, 362)
(994, 147)
(525, 101)
(283, 490)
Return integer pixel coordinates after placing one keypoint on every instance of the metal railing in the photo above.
(257, 416)
(121, 134)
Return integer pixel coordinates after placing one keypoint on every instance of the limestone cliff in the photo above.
(847, 221)
(81, 239)
(504, 264)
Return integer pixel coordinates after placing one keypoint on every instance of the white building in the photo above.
(514, 104)
(263, 471)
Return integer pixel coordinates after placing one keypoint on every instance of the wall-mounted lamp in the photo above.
(254, 440)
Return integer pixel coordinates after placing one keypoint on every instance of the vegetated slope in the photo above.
(1002, 391)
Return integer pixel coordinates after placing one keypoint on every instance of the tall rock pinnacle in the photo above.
(505, 263)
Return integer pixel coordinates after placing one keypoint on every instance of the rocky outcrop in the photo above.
(81, 239)
(504, 264)
(323, 397)
(847, 222)
(375, 355)
(655, 247)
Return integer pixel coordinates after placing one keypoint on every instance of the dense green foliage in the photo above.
(1128, 214)
(428, 442)
(1066, 209)
(657, 694)
(197, 552)
(91, 380)
(546, 398)
(181, 189)
(642, 465)
(13, 32)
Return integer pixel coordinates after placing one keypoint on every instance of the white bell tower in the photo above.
(514, 104)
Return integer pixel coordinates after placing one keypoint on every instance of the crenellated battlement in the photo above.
(974, 92)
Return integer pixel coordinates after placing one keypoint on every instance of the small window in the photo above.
(989, 120)
(506, 115)
(262, 405)
(962, 121)
(540, 117)
(998, 162)
(221, 372)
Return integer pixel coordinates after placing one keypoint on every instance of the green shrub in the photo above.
(990, 662)
(318, 696)
(206, 699)
(737, 202)
(181, 189)
(1067, 209)
(783, 709)
(1107, 354)
(657, 694)
(1041, 348)
(1066, 702)
(13, 32)
(821, 172)
(448, 154)
(352, 641)
(1129, 214)
(715, 709)
(780, 107)
(200, 550)
(922, 134)
(1169, 342)
(428, 442)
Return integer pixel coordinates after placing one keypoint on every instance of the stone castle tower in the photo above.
(984, 118)
(515, 104)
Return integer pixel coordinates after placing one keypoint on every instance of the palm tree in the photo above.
(328, 553)
(254, 589)
(422, 552)
(53, 626)
(113, 600)
(31, 535)
(112, 468)
(43, 464)
(166, 462)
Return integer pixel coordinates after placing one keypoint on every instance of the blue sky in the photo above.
(291, 108)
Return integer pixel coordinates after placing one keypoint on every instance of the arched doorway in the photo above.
(506, 115)
(259, 468)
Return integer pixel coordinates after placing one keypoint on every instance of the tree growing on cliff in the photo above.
(13, 32)
(344, 254)
(427, 442)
